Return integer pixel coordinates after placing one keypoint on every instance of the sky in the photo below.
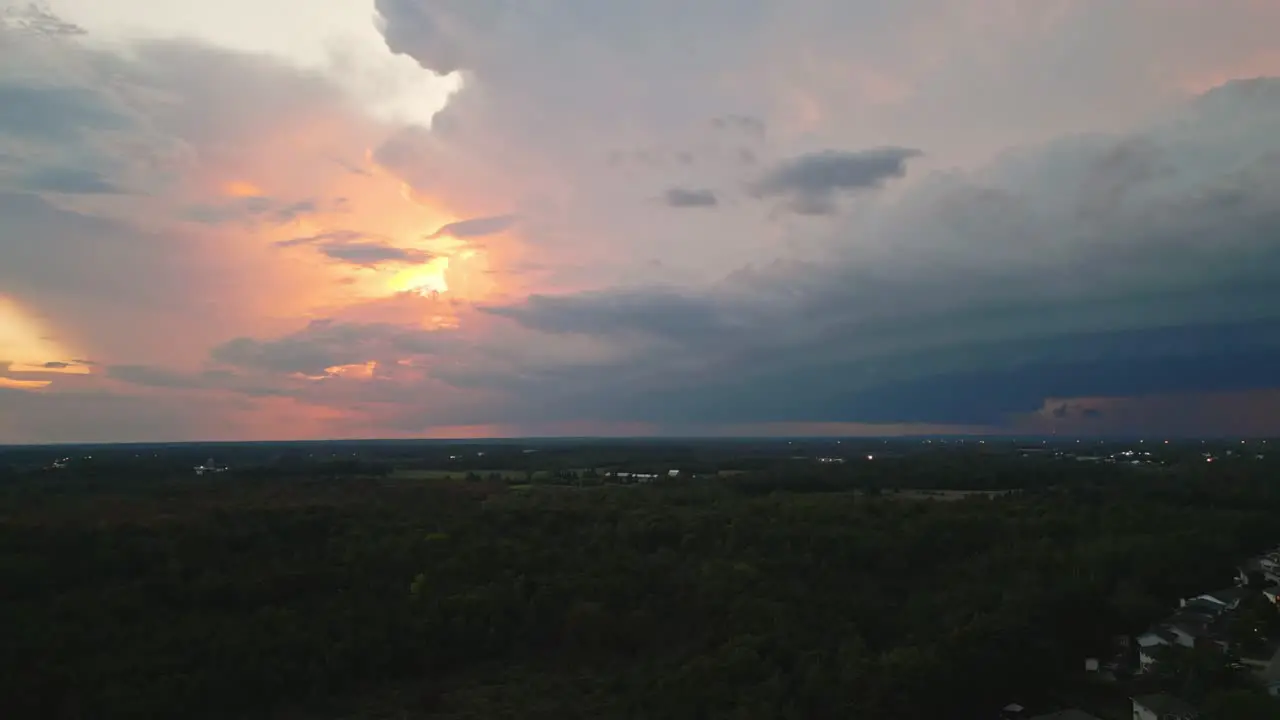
(296, 219)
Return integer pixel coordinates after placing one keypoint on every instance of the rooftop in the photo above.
(1228, 594)
(1202, 605)
(1160, 633)
(1164, 704)
(1068, 714)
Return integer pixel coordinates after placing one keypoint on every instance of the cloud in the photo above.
(648, 312)
(69, 181)
(972, 299)
(689, 198)
(740, 123)
(251, 209)
(325, 344)
(475, 227)
(1067, 246)
(36, 19)
(53, 113)
(352, 247)
(811, 182)
(154, 377)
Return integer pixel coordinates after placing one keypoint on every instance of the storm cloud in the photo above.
(690, 197)
(398, 217)
(811, 183)
(987, 294)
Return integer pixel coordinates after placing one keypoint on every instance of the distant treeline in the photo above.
(326, 596)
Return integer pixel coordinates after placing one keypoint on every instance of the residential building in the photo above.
(1203, 606)
(1013, 711)
(1229, 598)
(1068, 714)
(1161, 706)
(1270, 675)
(1148, 644)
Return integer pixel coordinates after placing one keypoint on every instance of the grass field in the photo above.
(460, 473)
(945, 495)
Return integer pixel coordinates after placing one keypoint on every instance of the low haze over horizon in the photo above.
(291, 219)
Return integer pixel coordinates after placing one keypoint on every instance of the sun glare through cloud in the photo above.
(638, 358)
(427, 279)
(27, 346)
(533, 215)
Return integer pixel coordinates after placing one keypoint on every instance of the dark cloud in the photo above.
(742, 123)
(371, 253)
(660, 314)
(34, 230)
(69, 181)
(689, 197)
(328, 343)
(211, 379)
(357, 249)
(812, 182)
(972, 299)
(475, 227)
(252, 209)
(150, 376)
(54, 114)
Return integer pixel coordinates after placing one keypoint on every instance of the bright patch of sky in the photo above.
(339, 38)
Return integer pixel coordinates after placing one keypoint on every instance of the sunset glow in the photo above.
(15, 384)
(27, 346)
(385, 218)
(425, 279)
(241, 189)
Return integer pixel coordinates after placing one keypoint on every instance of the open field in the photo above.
(946, 495)
(461, 473)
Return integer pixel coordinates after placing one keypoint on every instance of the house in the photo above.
(1013, 711)
(210, 467)
(1148, 643)
(1103, 671)
(1270, 676)
(1229, 598)
(1068, 714)
(1202, 606)
(1253, 567)
(1191, 630)
(1162, 707)
(1268, 564)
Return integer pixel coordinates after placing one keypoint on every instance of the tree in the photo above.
(1240, 705)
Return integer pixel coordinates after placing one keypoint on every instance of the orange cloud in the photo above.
(28, 345)
(15, 384)
(241, 189)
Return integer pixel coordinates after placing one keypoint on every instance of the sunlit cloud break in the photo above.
(406, 217)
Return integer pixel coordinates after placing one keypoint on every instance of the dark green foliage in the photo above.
(1240, 705)
(347, 598)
